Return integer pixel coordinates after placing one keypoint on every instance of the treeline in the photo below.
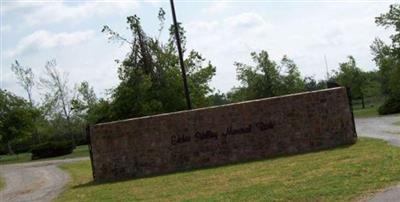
(151, 83)
(57, 117)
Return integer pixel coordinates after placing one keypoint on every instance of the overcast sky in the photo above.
(33, 32)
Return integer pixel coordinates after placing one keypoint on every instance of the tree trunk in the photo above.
(70, 133)
(10, 151)
(362, 101)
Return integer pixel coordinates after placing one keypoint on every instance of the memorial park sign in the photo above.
(221, 135)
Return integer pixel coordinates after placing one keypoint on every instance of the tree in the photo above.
(57, 96)
(16, 119)
(373, 84)
(266, 78)
(387, 57)
(219, 98)
(262, 80)
(84, 99)
(310, 84)
(25, 77)
(150, 78)
(292, 80)
(353, 77)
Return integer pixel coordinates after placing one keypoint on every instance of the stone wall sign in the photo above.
(215, 136)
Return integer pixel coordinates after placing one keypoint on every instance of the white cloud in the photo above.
(246, 20)
(224, 32)
(216, 7)
(8, 6)
(228, 40)
(233, 28)
(5, 28)
(42, 39)
(305, 35)
(58, 11)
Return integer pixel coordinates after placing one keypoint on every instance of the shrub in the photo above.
(51, 149)
(390, 106)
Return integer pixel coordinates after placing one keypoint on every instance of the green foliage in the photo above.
(292, 80)
(390, 106)
(351, 76)
(219, 98)
(387, 57)
(16, 119)
(79, 151)
(150, 76)
(267, 78)
(373, 84)
(51, 149)
(310, 84)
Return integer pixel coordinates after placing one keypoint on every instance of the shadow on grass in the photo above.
(270, 158)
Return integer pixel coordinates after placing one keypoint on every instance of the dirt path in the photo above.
(35, 181)
(382, 128)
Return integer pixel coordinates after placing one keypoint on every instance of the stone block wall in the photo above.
(220, 135)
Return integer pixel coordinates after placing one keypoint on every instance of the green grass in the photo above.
(2, 184)
(79, 151)
(341, 174)
(397, 123)
(367, 112)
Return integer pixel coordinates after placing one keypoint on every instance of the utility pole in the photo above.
(326, 66)
(327, 72)
(178, 44)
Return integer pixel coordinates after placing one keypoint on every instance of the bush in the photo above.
(390, 106)
(51, 149)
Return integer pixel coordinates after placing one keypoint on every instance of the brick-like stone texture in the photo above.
(215, 136)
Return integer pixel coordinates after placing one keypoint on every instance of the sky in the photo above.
(224, 32)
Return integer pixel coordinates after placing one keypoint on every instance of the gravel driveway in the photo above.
(383, 128)
(35, 181)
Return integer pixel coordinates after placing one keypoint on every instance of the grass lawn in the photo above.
(79, 151)
(341, 174)
(2, 184)
(367, 112)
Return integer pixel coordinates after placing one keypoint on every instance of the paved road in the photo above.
(35, 181)
(382, 128)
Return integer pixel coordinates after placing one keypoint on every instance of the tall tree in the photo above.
(25, 77)
(266, 78)
(85, 97)
(57, 95)
(387, 57)
(351, 76)
(262, 80)
(150, 78)
(292, 80)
